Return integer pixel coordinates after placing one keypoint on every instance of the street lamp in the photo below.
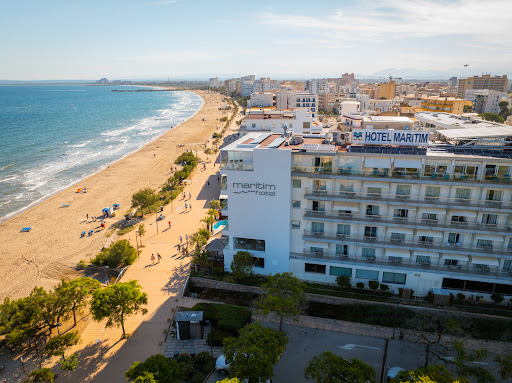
(211, 337)
(106, 274)
(394, 323)
(137, 243)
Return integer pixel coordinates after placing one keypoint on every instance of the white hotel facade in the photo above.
(409, 215)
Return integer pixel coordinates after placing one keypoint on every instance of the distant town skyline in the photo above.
(150, 39)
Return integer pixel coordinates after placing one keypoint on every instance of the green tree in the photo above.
(198, 241)
(241, 266)
(209, 221)
(120, 253)
(74, 294)
(284, 296)
(214, 213)
(47, 308)
(331, 368)
(435, 372)
(492, 117)
(215, 204)
(207, 151)
(142, 232)
(254, 352)
(43, 375)
(144, 199)
(505, 111)
(70, 364)
(58, 344)
(505, 363)
(147, 377)
(159, 366)
(467, 109)
(117, 301)
(343, 281)
(19, 320)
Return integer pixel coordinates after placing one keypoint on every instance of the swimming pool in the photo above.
(217, 225)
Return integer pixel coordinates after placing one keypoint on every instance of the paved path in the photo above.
(104, 357)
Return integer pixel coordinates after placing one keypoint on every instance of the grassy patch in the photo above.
(125, 230)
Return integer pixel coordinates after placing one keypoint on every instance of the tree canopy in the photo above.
(331, 368)
(284, 296)
(241, 266)
(492, 117)
(156, 367)
(254, 352)
(118, 254)
(434, 373)
(117, 301)
(58, 344)
(144, 199)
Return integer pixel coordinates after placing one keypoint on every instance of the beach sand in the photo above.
(53, 248)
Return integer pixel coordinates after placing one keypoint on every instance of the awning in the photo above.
(376, 185)
(426, 254)
(485, 261)
(456, 257)
(377, 162)
(345, 207)
(407, 163)
(399, 230)
(465, 213)
(496, 238)
(432, 210)
(323, 245)
(398, 253)
(223, 196)
(429, 233)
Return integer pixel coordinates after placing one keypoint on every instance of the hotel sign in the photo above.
(390, 137)
(257, 188)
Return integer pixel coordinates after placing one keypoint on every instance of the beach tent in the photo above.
(116, 206)
(108, 211)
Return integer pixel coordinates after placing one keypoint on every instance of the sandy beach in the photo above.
(52, 249)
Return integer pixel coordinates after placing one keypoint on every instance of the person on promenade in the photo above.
(169, 224)
(184, 195)
(152, 258)
(179, 247)
(186, 238)
(159, 257)
(190, 205)
(87, 217)
(181, 239)
(208, 183)
(189, 195)
(186, 206)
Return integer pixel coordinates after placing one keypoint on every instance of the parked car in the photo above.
(222, 365)
(393, 372)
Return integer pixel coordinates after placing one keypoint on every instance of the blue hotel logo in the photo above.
(358, 135)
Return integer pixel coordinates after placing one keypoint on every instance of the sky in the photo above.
(149, 39)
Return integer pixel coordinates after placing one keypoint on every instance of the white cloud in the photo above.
(487, 21)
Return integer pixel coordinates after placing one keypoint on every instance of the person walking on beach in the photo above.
(190, 205)
(169, 224)
(181, 239)
(152, 258)
(159, 257)
(186, 237)
(184, 195)
(186, 206)
(87, 217)
(179, 247)
(189, 195)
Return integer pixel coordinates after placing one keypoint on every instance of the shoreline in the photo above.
(40, 200)
(53, 247)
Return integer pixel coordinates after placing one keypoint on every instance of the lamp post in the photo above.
(156, 223)
(106, 274)
(211, 337)
(394, 323)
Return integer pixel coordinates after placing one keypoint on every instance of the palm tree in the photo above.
(209, 221)
(214, 213)
(198, 241)
(142, 232)
(215, 204)
(205, 233)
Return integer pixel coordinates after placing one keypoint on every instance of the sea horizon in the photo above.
(55, 136)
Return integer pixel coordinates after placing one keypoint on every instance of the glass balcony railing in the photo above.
(406, 199)
(412, 243)
(234, 165)
(426, 224)
(435, 264)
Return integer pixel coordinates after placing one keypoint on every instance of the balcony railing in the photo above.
(410, 242)
(438, 201)
(400, 173)
(244, 166)
(435, 265)
(400, 221)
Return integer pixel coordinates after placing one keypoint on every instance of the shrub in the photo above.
(198, 377)
(225, 317)
(384, 287)
(82, 264)
(461, 296)
(120, 253)
(343, 281)
(497, 298)
(242, 265)
(208, 367)
(187, 370)
(203, 358)
(374, 285)
(360, 285)
(185, 358)
(218, 271)
(217, 338)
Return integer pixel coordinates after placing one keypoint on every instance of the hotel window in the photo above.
(340, 271)
(462, 194)
(507, 265)
(432, 192)
(253, 126)
(485, 243)
(459, 219)
(296, 183)
(397, 237)
(249, 244)
(318, 206)
(314, 268)
(341, 249)
(343, 229)
(425, 240)
(319, 185)
(348, 188)
(435, 170)
(429, 217)
(423, 259)
(258, 262)
(295, 224)
(450, 262)
(454, 238)
(368, 252)
(316, 250)
(372, 210)
(494, 195)
(403, 191)
(296, 204)
(395, 278)
(395, 259)
(374, 192)
(317, 227)
(400, 213)
(367, 274)
(465, 171)
(370, 232)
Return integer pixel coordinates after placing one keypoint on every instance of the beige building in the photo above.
(442, 104)
(387, 90)
(327, 101)
(498, 83)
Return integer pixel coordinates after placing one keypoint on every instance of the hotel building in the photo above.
(395, 206)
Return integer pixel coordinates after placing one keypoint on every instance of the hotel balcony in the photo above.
(405, 264)
(236, 165)
(418, 223)
(398, 174)
(410, 243)
(417, 201)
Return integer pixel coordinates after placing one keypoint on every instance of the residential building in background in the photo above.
(262, 99)
(214, 82)
(443, 104)
(485, 100)
(486, 81)
(291, 99)
(452, 81)
(299, 121)
(387, 89)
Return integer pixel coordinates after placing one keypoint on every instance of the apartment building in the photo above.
(291, 99)
(328, 101)
(485, 100)
(381, 105)
(299, 120)
(387, 90)
(443, 104)
(262, 100)
(486, 81)
(214, 82)
(387, 122)
(390, 206)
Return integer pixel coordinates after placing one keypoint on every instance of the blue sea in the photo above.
(52, 136)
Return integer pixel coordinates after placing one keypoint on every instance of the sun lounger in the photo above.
(83, 234)
(65, 205)
(91, 232)
(26, 229)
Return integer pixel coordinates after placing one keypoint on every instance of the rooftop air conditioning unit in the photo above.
(347, 137)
